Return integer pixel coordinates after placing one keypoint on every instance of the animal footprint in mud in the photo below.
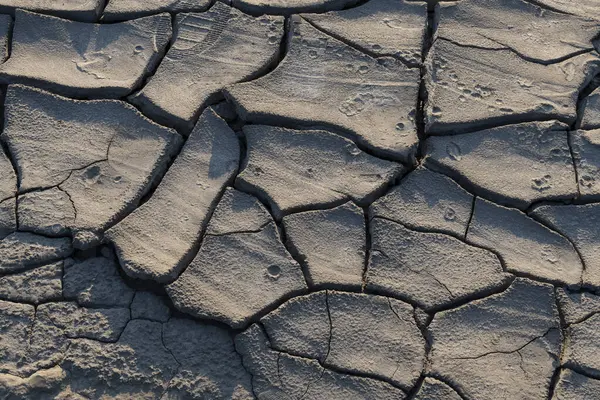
(541, 184)
(94, 63)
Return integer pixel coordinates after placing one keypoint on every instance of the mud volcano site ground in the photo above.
(300, 199)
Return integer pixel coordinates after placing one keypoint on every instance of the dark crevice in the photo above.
(414, 391)
(40, 189)
(422, 320)
(561, 314)
(470, 217)
(451, 385)
(130, 305)
(162, 340)
(113, 341)
(354, 4)
(582, 319)
(328, 343)
(304, 292)
(195, 249)
(368, 244)
(533, 206)
(101, 10)
(278, 214)
(574, 162)
(546, 7)
(430, 30)
(98, 339)
(330, 367)
(35, 304)
(9, 38)
(175, 313)
(258, 10)
(330, 325)
(544, 62)
(581, 371)
(564, 236)
(47, 236)
(424, 230)
(420, 229)
(399, 361)
(183, 133)
(250, 374)
(452, 304)
(144, 80)
(71, 201)
(460, 128)
(279, 121)
(290, 248)
(559, 202)
(6, 149)
(517, 53)
(524, 274)
(472, 46)
(160, 175)
(553, 382)
(278, 58)
(391, 186)
(564, 333)
(297, 256)
(250, 231)
(44, 188)
(554, 282)
(477, 193)
(424, 329)
(151, 68)
(360, 48)
(507, 351)
(587, 90)
(215, 97)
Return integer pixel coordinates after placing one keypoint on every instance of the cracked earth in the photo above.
(300, 199)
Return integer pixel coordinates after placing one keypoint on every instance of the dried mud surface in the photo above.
(300, 199)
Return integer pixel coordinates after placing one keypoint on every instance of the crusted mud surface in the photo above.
(300, 199)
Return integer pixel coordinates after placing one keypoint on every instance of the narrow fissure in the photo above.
(471, 215)
(304, 125)
(524, 57)
(420, 114)
(333, 368)
(149, 72)
(101, 10)
(574, 161)
(507, 351)
(368, 243)
(553, 382)
(358, 47)
(412, 393)
(9, 38)
(543, 6)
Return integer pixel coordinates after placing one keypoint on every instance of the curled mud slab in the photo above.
(300, 199)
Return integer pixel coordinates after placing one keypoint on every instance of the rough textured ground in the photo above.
(300, 199)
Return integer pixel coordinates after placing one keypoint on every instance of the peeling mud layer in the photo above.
(300, 199)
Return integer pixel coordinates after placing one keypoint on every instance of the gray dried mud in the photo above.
(300, 199)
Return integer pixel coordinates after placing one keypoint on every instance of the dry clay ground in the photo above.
(300, 199)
